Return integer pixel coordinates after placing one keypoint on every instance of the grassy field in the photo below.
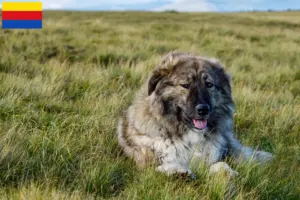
(62, 89)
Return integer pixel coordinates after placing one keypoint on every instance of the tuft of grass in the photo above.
(63, 88)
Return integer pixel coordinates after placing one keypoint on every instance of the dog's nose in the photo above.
(202, 109)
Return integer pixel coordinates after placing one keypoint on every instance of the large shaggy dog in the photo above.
(184, 111)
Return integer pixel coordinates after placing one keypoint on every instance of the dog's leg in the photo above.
(169, 165)
(222, 167)
(174, 160)
(211, 153)
(243, 153)
(144, 157)
(175, 168)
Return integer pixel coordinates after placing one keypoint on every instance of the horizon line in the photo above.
(169, 10)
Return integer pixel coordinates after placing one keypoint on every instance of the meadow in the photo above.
(62, 89)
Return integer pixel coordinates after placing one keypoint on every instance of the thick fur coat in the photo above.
(184, 111)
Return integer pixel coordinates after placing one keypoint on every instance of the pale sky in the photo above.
(179, 5)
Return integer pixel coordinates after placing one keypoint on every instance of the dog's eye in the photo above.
(186, 86)
(209, 84)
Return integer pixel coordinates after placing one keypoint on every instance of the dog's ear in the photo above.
(224, 78)
(155, 78)
(219, 69)
(164, 68)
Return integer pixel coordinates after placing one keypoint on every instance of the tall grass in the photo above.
(62, 89)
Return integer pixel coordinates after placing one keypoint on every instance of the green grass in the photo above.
(62, 89)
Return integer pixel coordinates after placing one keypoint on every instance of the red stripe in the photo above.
(22, 15)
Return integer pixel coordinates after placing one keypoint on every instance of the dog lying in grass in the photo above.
(184, 111)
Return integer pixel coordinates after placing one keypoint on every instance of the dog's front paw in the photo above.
(222, 167)
(263, 157)
(178, 170)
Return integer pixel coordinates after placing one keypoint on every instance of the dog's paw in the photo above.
(222, 167)
(263, 157)
(177, 170)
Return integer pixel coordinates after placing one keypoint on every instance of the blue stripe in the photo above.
(22, 24)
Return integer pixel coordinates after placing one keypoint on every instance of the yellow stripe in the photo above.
(22, 6)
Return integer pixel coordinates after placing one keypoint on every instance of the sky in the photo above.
(161, 5)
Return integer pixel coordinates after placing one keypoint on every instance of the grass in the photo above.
(62, 89)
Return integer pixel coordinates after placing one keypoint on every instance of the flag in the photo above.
(22, 15)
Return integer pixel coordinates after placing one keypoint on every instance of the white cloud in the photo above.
(160, 5)
(188, 6)
(58, 4)
(53, 6)
(180, 5)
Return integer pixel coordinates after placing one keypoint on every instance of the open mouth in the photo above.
(200, 124)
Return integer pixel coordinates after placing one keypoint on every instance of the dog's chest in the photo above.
(192, 138)
(208, 147)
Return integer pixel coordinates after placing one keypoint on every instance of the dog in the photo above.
(184, 111)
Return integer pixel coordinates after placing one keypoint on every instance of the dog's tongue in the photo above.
(200, 124)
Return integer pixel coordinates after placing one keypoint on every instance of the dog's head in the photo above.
(195, 90)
